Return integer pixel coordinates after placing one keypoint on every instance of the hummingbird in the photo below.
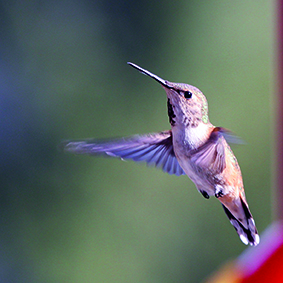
(192, 147)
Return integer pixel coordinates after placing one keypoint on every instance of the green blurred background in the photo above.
(63, 74)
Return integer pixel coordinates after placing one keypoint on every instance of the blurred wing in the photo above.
(155, 149)
(211, 155)
(230, 137)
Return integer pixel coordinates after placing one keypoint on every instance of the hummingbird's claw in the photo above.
(219, 194)
(205, 194)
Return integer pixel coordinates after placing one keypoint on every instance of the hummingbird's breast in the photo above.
(185, 141)
(197, 176)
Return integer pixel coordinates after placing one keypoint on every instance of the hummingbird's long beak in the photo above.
(145, 72)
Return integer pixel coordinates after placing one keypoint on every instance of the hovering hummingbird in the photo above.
(193, 147)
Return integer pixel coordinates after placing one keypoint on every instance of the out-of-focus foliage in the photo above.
(63, 74)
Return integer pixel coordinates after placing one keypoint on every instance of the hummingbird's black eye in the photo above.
(187, 94)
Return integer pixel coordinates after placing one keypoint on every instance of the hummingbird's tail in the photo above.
(247, 233)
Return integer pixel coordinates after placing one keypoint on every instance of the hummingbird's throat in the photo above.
(171, 113)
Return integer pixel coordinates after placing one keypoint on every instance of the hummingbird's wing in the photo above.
(211, 155)
(230, 137)
(155, 149)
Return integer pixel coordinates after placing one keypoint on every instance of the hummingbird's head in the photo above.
(187, 106)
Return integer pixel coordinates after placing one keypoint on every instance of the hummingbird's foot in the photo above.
(205, 194)
(219, 195)
(219, 192)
